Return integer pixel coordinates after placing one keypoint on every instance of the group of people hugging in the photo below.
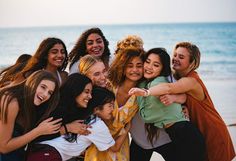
(109, 108)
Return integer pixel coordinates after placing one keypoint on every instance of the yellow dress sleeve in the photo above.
(122, 115)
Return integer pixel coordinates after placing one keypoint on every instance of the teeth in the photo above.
(148, 72)
(40, 98)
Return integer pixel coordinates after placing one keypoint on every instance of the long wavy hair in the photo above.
(116, 73)
(72, 88)
(24, 93)
(40, 59)
(8, 74)
(79, 50)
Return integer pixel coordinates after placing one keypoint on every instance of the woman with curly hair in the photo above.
(92, 42)
(51, 55)
(125, 71)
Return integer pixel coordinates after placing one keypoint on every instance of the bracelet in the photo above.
(66, 130)
(147, 92)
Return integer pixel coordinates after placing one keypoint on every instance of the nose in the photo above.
(45, 95)
(103, 76)
(89, 96)
(61, 54)
(148, 66)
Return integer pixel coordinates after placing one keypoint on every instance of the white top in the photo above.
(59, 78)
(74, 68)
(139, 134)
(99, 136)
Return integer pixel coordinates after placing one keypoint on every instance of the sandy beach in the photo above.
(222, 93)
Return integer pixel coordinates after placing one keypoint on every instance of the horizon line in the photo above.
(118, 24)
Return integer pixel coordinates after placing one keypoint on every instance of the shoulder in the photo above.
(63, 75)
(11, 109)
(99, 125)
(158, 80)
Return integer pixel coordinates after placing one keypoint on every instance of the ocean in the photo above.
(217, 42)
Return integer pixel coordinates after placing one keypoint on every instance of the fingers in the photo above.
(80, 121)
(48, 119)
(56, 121)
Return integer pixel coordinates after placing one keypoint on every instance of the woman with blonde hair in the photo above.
(95, 69)
(186, 59)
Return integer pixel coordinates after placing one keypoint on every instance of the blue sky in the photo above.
(20, 13)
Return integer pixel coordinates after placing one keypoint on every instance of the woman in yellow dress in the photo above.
(125, 72)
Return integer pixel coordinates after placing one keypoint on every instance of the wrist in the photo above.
(147, 92)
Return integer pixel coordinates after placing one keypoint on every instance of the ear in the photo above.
(192, 66)
(96, 110)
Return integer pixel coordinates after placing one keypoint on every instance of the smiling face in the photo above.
(181, 60)
(152, 66)
(85, 96)
(134, 69)
(56, 56)
(98, 74)
(106, 112)
(44, 91)
(95, 45)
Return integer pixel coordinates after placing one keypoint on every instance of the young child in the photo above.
(187, 139)
(63, 148)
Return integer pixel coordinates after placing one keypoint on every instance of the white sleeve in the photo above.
(74, 68)
(100, 136)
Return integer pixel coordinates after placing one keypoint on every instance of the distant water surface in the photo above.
(217, 42)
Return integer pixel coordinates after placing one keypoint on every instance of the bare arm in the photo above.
(119, 141)
(184, 85)
(8, 144)
(168, 99)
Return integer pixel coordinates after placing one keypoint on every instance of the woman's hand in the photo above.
(137, 92)
(49, 127)
(78, 127)
(167, 99)
(185, 112)
(128, 127)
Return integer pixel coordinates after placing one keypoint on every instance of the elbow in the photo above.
(115, 149)
(3, 150)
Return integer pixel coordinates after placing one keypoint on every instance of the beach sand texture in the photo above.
(222, 93)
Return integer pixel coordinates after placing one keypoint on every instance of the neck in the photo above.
(51, 69)
(127, 84)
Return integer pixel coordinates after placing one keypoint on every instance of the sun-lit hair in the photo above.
(86, 62)
(40, 58)
(24, 93)
(129, 42)
(8, 74)
(128, 48)
(116, 73)
(194, 52)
